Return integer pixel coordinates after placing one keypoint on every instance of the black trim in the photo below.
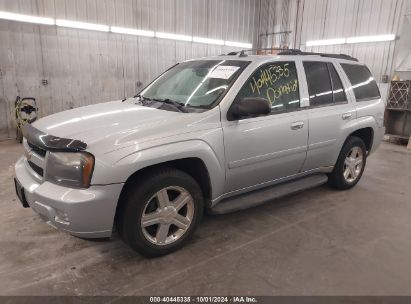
(36, 168)
(367, 99)
(20, 193)
(51, 142)
(338, 56)
(37, 150)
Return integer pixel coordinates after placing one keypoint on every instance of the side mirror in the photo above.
(250, 106)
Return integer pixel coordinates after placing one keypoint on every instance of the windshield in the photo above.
(196, 83)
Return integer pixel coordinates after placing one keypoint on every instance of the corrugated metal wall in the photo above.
(85, 67)
(327, 19)
(402, 62)
(277, 23)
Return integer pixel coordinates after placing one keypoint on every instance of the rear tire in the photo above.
(160, 212)
(350, 164)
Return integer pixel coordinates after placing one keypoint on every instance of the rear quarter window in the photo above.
(362, 82)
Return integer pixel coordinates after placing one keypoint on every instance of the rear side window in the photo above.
(319, 83)
(278, 83)
(324, 84)
(362, 82)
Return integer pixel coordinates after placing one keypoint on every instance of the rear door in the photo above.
(329, 113)
(263, 149)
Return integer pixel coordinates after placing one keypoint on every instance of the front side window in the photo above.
(197, 83)
(363, 84)
(277, 82)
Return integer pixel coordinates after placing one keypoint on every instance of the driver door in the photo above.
(262, 150)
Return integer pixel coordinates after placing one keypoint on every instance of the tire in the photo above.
(164, 199)
(346, 163)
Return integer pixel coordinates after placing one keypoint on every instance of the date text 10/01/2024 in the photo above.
(204, 299)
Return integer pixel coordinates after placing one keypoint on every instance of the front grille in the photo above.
(37, 150)
(36, 168)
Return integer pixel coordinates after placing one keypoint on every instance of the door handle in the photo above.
(346, 116)
(297, 125)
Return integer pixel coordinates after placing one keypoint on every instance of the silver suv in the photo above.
(219, 134)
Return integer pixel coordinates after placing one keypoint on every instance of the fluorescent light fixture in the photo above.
(123, 30)
(129, 31)
(82, 25)
(238, 44)
(377, 38)
(326, 42)
(208, 40)
(173, 36)
(26, 18)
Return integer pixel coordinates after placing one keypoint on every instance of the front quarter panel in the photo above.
(206, 145)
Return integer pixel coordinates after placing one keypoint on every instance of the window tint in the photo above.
(319, 83)
(338, 90)
(278, 83)
(363, 83)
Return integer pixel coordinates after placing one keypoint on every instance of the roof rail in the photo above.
(298, 52)
(242, 53)
(285, 51)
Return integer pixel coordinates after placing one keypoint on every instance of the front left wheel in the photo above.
(160, 213)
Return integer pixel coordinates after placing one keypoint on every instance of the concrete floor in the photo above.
(320, 242)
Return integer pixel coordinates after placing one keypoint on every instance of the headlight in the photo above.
(70, 169)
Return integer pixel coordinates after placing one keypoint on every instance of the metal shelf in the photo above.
(398, 110)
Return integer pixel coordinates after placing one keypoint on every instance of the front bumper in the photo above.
(85, 213)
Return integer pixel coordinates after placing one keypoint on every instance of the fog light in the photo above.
(62, 218)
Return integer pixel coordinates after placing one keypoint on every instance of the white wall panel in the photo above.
(86, 67)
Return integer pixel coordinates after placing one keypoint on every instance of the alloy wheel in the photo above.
(353, 164)
(167, 215)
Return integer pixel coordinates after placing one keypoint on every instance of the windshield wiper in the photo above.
(143, 100)
(179, 106)
(146, 100)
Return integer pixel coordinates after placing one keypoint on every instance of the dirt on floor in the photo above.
(319, 242)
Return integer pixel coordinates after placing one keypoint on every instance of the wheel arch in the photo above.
(196, 158)
(366, 134)
(193, 166)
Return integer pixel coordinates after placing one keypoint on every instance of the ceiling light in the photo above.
(82, 25)
(377, 38)
(326, 42)
(173, 36)
(238, 44)
(26, 18)
(208, 41)
(128, 31)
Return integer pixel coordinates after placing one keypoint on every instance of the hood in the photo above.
(106, 126)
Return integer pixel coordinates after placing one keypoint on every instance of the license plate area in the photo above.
(20, 193)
